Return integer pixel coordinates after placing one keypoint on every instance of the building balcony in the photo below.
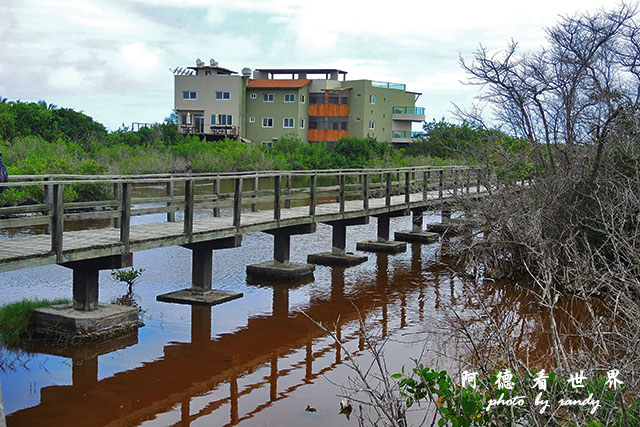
(329, 110)
(326, 135)
(413, 114)
(225, 131)
(404, 136)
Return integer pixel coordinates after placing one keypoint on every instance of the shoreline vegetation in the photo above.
(40, 138)
(14, 319)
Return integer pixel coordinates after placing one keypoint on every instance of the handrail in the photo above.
(241, 192)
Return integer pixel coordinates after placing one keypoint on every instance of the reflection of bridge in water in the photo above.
(197, 368)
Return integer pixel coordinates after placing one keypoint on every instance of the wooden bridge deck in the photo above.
(33, 250)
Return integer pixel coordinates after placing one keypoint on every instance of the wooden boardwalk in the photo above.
(353, 194)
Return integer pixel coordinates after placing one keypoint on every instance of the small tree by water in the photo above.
(130, 277)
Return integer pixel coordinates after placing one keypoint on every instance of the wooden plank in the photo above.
(287, 191)
(365, 191)
(341, 196)
(388, 189)
(26, 221)
(117, 198)
(254, 205)
(440, 183)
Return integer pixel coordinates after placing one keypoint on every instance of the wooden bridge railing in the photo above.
(224, 194)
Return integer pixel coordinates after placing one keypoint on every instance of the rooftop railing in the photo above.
(408, 110)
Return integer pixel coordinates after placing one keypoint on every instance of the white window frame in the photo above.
(301, 123)
(228, 120)
(267, 97)
(302, 99)
(189, 94)
(372, 124)
(224, 95)
(292, 96)
(290, 120)
(253, 95)
(372, 99)
(268, 119)
(252, 119)
(213, 119)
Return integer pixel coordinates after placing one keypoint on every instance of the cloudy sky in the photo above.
(112, 58)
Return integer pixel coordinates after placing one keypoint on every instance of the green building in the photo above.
(317, 105)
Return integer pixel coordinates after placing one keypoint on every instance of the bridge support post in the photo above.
(280, 268)
(416, 234)
(85, 317)
(201, 292)
(382, 243)
(338, 254)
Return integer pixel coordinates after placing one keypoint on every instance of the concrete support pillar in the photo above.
(383, 228)
(416, 220)
(281, 247)
(382, 242)
(85, 288)
(339, 239)
(85, 278)
(417, 234)
(338, 254)
(201, 291)
(201, 270)
(281, 268)
(280, 301)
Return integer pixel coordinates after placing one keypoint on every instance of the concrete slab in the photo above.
(272, 270)
(63, 322)
(189, 296)
(416, 236)
(381, 246)
(328, 258)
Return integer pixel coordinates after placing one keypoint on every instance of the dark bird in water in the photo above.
(310, 408)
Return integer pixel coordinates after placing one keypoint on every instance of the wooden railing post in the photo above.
(125, 216)
(440, 183)
(57, 221)
(478, 183)
(425, 185)
(216, 193)
(455, 182)
(313, 196)
(387, 198)
(48, 200)
(365, 191)
(117, 197)
(468, 183)
(342, 180)
(254, 205)
(189, 197)
(237, 202)
(287, 191)
(171, 216)
(276, 197)
(407, 187)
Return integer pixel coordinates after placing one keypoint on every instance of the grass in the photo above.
(14, 319)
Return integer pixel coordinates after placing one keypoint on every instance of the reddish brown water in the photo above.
(256, 361)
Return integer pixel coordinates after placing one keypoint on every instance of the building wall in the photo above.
(278, 110)
(380, 111)
(206, 102)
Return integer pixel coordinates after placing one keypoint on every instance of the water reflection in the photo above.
(268, 368)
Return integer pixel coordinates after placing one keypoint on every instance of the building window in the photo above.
(289, 97)
(301, 123)
(372, 99)
(188, 95)
(288, 122)
(267, 122)
(357, 119)
(224, 119)
(183, 118)
(301, 99)
(267, 97)
(316, 98)
(252, 119)
(213, 120)
(253, 95)
(223, 95)
(372, 124)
